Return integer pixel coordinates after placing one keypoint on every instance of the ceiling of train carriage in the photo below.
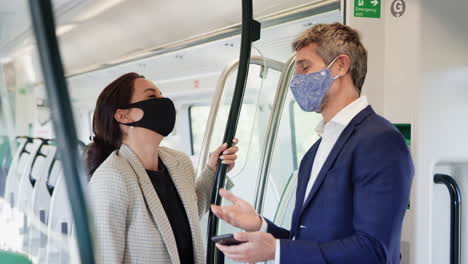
(97, 32)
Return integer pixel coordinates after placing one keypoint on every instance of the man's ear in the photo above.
(122, 116)
(343, 65)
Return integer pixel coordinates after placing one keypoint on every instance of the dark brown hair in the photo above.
(333, 40)
(107, 133)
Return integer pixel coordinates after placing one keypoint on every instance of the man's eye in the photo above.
(152, 96)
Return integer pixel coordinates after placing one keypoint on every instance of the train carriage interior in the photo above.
(417, 79)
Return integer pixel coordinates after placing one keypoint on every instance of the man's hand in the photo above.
(240, 214)
(259, 247)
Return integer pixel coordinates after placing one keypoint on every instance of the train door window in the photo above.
(303, 126)
(251, 130)
(198, 115)
(296, 134)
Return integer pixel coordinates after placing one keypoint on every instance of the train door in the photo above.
(272, 131)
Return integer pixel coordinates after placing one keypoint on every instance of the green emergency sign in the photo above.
(367, 8)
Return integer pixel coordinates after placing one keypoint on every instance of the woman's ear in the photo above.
(122, 116)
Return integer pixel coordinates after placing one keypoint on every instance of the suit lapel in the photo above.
(303, 177)
(304, 173)
(341, 142)
(153, 203)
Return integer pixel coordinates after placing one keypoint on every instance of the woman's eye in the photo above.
(152, 96)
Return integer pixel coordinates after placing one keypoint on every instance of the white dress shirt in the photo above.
(330, 132)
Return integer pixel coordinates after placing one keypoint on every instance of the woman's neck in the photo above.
(146, 149)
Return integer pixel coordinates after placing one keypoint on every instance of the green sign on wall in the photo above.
(367, 8)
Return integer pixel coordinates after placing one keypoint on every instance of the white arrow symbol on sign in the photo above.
(375, 2)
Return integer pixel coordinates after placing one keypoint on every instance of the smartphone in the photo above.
(226, 240)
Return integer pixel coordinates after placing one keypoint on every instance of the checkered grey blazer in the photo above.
(130, 223)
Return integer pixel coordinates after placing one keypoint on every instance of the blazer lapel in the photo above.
(341, 142)
(153, 202)
(182, 183)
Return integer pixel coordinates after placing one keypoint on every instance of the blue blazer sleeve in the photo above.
(276, 231)
(382, 173)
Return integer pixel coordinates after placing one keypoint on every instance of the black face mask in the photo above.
(158, 115)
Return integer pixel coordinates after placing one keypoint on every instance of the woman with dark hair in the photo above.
(145, 198)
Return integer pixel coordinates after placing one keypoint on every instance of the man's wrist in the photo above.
(260, 223)
(257, 226)
(263, 225)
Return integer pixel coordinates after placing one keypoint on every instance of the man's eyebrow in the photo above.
(150, 89)
(301, 61)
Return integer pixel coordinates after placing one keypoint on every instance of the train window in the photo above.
(198, 114)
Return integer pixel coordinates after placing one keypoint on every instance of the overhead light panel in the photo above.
(64, 29)
(98, 8)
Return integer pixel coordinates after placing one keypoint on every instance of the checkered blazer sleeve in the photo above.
(204, 189)
(109, 200)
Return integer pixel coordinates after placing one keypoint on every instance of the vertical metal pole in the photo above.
(250, 33)
(62, 117)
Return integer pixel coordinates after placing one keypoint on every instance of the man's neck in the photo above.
(334, 106)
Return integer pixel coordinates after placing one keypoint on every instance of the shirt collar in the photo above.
(344, 117)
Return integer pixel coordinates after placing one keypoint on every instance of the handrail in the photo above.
(39, 153)
(42, 17)
(50, 187)
(216, 102)
(23, 148)
(273, 126)
(455, 215)
(250, 33)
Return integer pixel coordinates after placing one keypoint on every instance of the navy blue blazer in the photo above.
(355, 209)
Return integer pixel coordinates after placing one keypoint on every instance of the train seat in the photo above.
(31, 173)
(60, 226)
(23, 167)
(40, 204)
(14, 173)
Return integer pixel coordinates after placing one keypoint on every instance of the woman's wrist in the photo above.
(212, 169)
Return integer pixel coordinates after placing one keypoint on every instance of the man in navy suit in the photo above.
(354, 182)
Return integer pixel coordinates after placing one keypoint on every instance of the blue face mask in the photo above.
(310, 89)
